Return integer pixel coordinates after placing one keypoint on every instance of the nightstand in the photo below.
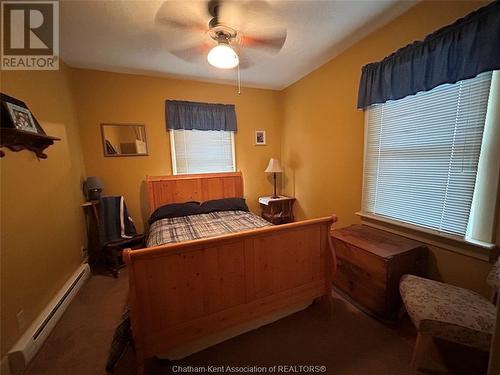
(277, 210)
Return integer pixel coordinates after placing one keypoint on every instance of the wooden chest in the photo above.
(370, 264)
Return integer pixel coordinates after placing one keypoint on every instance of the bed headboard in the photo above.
(192, 187)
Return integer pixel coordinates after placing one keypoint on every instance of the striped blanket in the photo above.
(192, 227)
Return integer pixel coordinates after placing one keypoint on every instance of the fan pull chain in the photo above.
(239, 80)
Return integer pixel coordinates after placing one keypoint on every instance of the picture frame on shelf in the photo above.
(260, 137)
(21, 117)
(20, 130)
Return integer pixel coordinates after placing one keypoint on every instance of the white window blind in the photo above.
(421, 155)
(202, 151)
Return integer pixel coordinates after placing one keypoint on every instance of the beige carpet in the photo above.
(351, 343)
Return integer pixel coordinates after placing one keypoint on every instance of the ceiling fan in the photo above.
(221, 30)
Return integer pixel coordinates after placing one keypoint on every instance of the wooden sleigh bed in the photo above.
(189, 295)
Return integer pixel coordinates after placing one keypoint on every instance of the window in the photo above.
(422, 154)
(202, 151)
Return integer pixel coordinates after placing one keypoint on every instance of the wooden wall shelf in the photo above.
(17, 140)
(16, 118)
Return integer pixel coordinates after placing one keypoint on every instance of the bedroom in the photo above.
(305, 99)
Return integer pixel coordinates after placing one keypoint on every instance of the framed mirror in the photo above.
(124, 140)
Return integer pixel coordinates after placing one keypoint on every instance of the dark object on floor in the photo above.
(122, 340)
(370, 264)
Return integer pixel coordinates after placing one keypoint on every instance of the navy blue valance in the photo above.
(459, 51)
(200, 116)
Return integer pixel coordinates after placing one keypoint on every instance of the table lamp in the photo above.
(274, 167)
(92, 188)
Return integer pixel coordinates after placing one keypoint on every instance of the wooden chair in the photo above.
(106, 249)
(448, 312)
(113, 252)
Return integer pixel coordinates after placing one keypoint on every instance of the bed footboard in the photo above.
(185, 291)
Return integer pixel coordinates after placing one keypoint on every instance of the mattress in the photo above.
(192, 227)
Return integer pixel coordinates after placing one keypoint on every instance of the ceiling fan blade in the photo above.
(189, 15)
(272, 43)
(244, 61)
(193, 53)
(257, 23)
(237, 14)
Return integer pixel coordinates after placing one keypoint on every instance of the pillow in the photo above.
(226, 204)
(175, 210)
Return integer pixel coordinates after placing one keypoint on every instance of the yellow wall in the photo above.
(42, 226)
(118, 98)
(323, 132)
(313, 126)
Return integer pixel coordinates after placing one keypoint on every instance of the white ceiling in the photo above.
(122, 36)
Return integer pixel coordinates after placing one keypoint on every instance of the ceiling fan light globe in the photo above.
(223, 56)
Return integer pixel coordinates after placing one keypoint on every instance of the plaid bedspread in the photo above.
(204, 225)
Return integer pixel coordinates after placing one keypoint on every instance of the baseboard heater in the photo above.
(32, 340)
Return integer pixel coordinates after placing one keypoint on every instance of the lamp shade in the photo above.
(273, 166)
(93, 183)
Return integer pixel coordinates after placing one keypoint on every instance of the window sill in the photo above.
(477, 249)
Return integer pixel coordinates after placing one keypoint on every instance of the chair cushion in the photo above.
(448, 312)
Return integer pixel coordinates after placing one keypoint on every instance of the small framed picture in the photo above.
(21, 118)
(260, 137)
